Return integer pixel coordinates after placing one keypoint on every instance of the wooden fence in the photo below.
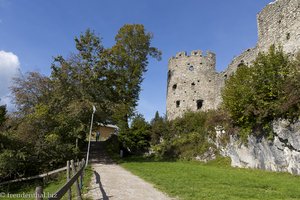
(77, 176)
(35, 177)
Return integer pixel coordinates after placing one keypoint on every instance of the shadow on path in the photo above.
(98, 181)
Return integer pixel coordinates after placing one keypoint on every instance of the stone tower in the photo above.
(191, 83)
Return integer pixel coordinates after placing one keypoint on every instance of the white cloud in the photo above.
(9, 66)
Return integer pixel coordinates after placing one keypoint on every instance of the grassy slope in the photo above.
(55, 185)
(193, 180)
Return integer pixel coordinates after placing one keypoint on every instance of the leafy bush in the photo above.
(3, 112)
(137, 138)
(269, 89)
(158, 128)
(188, 137)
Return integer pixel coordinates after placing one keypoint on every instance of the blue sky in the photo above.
(33, 31)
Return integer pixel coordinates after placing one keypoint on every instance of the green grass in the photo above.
(52, 186)
(215, 180)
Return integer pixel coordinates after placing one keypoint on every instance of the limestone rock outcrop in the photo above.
(280, 154)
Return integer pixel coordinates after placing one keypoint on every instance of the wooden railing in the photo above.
(77, 176)
(35, 177)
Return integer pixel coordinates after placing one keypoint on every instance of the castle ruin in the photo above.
(191, 83)
(194, 84)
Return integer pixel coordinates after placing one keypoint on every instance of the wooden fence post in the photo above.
(39, 193)
(68, 179)
(82, 174)
(77, 182)
(79, 179)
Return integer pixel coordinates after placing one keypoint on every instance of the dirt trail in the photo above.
(112, 182)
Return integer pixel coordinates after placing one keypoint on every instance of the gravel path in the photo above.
(112, 182)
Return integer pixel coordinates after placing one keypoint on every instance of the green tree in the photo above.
(254, 96)
(3, 112)
(158, 128)
(52, 112)
(128, 59)
(290, 96)
(188, 136)
(29, 89)
(138, 137)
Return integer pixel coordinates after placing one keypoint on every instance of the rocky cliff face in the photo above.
(282, 154)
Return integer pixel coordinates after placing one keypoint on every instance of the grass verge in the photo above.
(215, 180)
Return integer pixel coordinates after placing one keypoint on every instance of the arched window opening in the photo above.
(199, 104)
(177, 104)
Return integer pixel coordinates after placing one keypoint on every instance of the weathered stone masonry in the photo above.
(191, 83)
(278, 23)
(194, 84)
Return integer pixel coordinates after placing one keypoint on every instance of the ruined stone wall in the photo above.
(245, 58)
(191, 83)
(279, 23)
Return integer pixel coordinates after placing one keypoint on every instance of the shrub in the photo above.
(137, 138)
(254, 96)
(158, 129)
(188, 137)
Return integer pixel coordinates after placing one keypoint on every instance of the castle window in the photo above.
(225, 76)
(201, 63)
(199, 104)
(193, 84)
(177, 104)
(209, 80)
(241, 64)
(174, 86)
(191, 68)
(169, 75)
(288, 36)
(198, 81)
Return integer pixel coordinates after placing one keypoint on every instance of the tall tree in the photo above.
(55, 111)
(129, 60)
(158, 128)
(29, 89)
